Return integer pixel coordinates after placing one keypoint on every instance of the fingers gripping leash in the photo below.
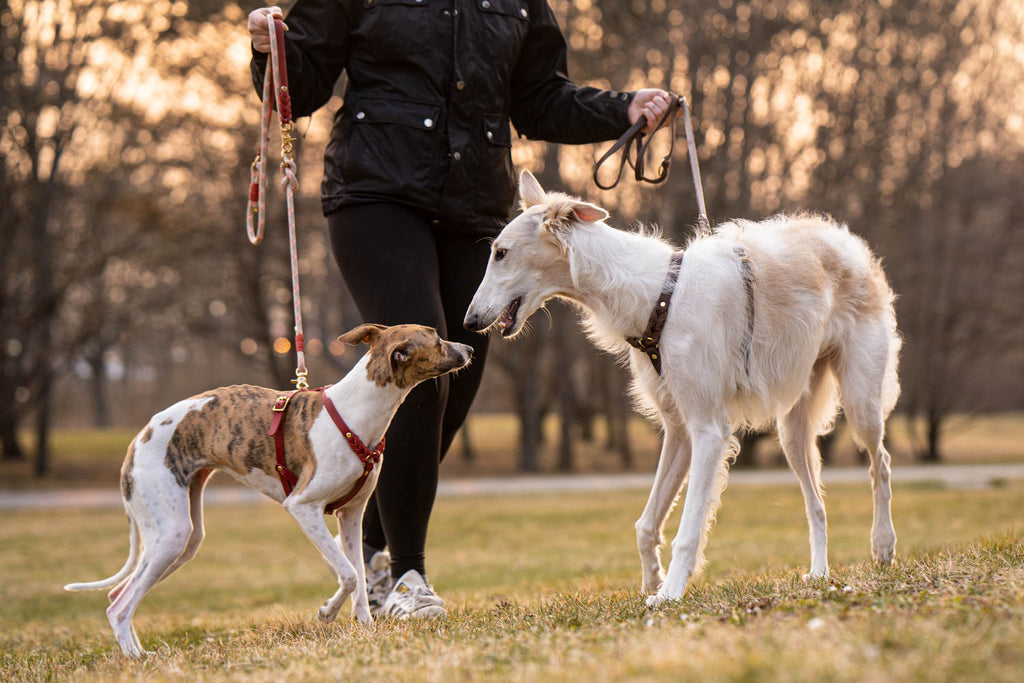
(275, 96)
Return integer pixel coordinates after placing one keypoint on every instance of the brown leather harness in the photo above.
(648, 342)
(289, 479)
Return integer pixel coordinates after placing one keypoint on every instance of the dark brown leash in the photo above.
(632, 141)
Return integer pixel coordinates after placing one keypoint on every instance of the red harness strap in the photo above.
(366, 456)
(369, 458)
(288, 478)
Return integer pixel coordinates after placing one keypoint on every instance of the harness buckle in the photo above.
(281, 404)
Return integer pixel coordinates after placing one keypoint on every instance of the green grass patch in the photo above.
(546, 587)
(92, 457)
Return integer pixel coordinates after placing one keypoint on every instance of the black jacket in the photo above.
(432, 86)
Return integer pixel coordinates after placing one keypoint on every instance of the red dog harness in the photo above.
(289, 479)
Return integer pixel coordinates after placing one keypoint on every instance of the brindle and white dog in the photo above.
(777, 319)
(169, 462)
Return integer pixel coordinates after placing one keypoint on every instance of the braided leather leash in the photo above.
(275, 96)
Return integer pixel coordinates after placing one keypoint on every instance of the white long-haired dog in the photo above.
(776, 319)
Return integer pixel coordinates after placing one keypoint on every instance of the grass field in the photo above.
(546, 588)
(92, 458)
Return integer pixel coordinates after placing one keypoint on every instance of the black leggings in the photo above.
(400, 267)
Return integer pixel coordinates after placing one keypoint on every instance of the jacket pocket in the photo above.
(509, 8)
(392, 150)
(401, 112)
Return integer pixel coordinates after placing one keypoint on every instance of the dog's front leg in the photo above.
(673, 466)
(707, 478)
(350, 526)
(311, 519)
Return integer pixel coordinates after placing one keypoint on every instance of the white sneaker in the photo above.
(413, 598)
(378, 580)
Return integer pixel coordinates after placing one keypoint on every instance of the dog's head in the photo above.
(405, 355)
(529, 259)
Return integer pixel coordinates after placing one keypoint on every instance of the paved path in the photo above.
(952, 476)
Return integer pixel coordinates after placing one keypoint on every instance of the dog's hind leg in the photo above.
(798, 431)
(708, 472)
(310, 518)
(165, 532)
(195, 539)
(673, 466)
(866, 371)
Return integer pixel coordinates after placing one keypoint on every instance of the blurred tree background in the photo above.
(127, 129)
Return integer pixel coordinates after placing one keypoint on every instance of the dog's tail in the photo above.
(129, 565)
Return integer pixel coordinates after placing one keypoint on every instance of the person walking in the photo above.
(417, 176)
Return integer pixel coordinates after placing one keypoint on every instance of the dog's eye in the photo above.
(500, 254)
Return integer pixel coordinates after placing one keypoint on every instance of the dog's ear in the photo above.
(530, 191)
(366, 333)
(588, 213)
(565, 211)
(398, 356)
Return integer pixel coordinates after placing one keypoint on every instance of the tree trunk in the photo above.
(566, 388)
(42, 463)
(9, 431)
(932, 452)
(528, 402)
(467, 450)
(748, 448)
(825, 443)
(617, 415)
(100, 398)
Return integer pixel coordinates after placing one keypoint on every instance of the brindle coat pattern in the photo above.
(230, 432)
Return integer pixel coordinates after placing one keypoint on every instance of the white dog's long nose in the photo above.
(473, 322)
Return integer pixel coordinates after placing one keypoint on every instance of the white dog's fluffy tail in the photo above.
(129, 565)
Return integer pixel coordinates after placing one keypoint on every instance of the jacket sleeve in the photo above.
(546, 104)
(316, 49)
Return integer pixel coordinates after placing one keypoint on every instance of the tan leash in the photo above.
(275, 96)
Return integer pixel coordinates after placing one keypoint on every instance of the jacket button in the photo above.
(457, 156)
(524, 12)
(490, 135)
(361, 115)
(429, 123)
(486, 4)
(460, 85)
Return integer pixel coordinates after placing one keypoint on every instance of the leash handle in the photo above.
(276, 96)
(634, 138)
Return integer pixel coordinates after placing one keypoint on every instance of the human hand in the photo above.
(259, 29)
(650, 103)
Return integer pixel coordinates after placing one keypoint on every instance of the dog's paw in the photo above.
(655, 601)
(661, 598)
(815, 574)
(884, 559)
(883, 553)
(326, 615)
